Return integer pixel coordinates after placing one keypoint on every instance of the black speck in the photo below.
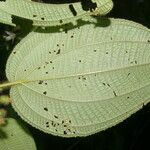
(65, 132)
(69, 121)
(104, 83)
(58, 52)
(54, 51)
(56, 116)
(47, 126)
(46, 72)
(128, 74)
(114, 93)
(108, 84)
(39, 68)
(79, 60)
(128, 97)
(44, 92)
(47, 122)
(25, 70)
(95, 50)
(34, 15)
(126, 52)
(42, 18)
(53, 68)
(49, 52)
(62, 44)
(46, 109)
(56, 130)
(106, 52)
(40, 82)
(57, 44)
(135, 62)
(63, 122)
(45, 83)
(148, 41)
(60, 21)
(51, 62)
(14, 52)
(71, 36)
(72, 10)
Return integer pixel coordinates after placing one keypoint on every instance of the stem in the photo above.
(9, 84)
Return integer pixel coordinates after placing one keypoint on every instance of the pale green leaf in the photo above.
(83, 81)
(51, 14)
(14, 136)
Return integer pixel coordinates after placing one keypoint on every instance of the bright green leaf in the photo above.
(83, 81)
(14, 136)
(51, 14)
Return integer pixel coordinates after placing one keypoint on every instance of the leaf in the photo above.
(83, 81)
(15, 136)
(52, 14)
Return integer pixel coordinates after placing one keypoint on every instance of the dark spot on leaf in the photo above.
(71, 7)
(108, 84)
(106, 52)
(71, 36)
(45, 83)
(47, 122)
(128, 97)
(129, 74)
(53, 67)
(46, 109)
(42, 18)
(69, 121)
(46, 72)
(79, 60)
(60, 21)
(104, 83)
(58, 52)
(135, 62)
(56, 116)
(25, 70)
(114, 93)
(62, 121)
(62, 44)
(40, 82)
(56, 130)
(95, 50)
(39, 68)
(47, 126)
(57, 44)
(148, 41)
(65, 132)
(14, 52)
(111, 38)
(44, 92)
(49, 52)
(34, 15)
(51, 62)
(126, 52)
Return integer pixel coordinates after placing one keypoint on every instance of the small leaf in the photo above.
(15, 136)
(83, 81)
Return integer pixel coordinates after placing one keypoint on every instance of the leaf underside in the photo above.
(52, 14)
(15, 136)
(83, 81)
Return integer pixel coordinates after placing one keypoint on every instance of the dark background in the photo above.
(133, 133)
